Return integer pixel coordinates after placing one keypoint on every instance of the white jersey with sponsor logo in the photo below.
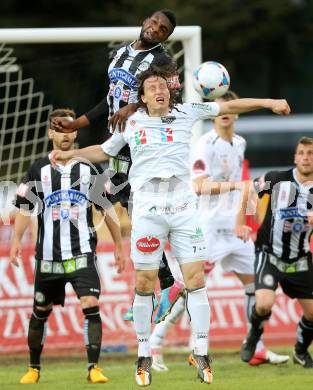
(222, 162)
(160, 146)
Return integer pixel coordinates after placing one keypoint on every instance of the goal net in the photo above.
(23, 118)
(27, 99)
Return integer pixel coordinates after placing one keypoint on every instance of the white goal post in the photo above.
(190, 36)
(188, 52)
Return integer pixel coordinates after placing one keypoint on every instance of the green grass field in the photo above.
(229, 373)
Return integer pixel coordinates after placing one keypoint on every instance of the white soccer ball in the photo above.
(211, 80)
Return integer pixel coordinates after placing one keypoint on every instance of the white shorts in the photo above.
(157, 218)
(234, 254)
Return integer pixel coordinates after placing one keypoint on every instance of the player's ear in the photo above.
(50, 133)
(143, 99)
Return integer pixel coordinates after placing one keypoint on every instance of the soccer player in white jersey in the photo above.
(219, 156)
(164, 203)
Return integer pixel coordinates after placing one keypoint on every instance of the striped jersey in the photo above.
(62, 199)
(126, 65)
(285, 231)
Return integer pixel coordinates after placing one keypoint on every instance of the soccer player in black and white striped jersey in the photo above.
(283, 253)
(62, 198)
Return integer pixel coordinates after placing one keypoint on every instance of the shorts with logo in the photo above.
(52, 276)
(295, 279)
(234, 254)
(157, 218)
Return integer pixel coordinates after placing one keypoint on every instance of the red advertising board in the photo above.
(65, 330)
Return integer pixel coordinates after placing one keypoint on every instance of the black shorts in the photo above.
(295, 284)
(52, 276)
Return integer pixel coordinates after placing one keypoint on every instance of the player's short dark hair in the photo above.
(170, 16)
(305, 141)
(229, 95)
(154, 71)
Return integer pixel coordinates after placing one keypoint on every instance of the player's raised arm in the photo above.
(94, 154)
(239, 106)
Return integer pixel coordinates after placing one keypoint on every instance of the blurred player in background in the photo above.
(66, 245)
(165, 205)
(283, 253)
(219, 157)
(122, 101)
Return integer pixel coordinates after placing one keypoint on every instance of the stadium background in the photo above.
(267, 48)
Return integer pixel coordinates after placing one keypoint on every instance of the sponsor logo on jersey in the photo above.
(292, 212)
(140, 137)
(72, 196)
(168, 119)
(198, 166)
(119, 74)
(125, 95)
(198, 236)
(166, 134)
(168, 210)
(148, 244)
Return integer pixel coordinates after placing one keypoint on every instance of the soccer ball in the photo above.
(211, 80)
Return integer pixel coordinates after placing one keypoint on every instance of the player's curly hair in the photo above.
(154, 71)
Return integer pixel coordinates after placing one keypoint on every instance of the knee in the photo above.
(263, 308)
(89, 301)
(145, 281)
(195, 280)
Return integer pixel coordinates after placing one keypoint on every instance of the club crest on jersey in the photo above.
(143, 66)
(148, 244)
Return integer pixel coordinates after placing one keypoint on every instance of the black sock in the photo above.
(36, 335)
(257, 321)
(304, 335)
(93, 334)
(165, 275)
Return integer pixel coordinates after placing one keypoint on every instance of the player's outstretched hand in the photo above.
(119, 118)
(119, 258)
(64, 124)
(243, 232)
(280, 107)
(15, 253)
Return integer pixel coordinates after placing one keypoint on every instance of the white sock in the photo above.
(199, 312)
(160, 329)
(142, 312)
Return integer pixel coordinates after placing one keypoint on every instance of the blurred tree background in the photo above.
(267, 45)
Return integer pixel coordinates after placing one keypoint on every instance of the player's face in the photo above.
(155, 29)
(156, 95)
(225, 121)
(304, 159)
(62, 141)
